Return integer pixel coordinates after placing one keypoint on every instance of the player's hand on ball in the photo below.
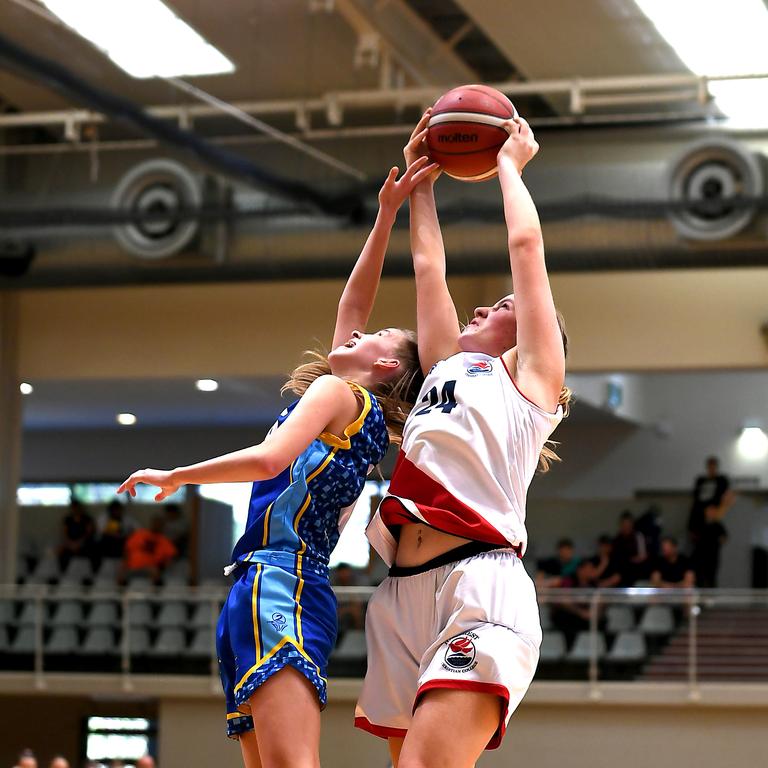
(160, 478)
(417, 145)
(521, 146)
(394, 191)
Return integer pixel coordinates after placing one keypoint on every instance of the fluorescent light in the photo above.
(715, 37)
(126, 419)
(753, 443)
(207, 385)
(25, 388)
(143, 37)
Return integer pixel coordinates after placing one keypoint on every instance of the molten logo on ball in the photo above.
(460, 653)
(451, 138)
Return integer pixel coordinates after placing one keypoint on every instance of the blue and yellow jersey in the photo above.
(297, 512)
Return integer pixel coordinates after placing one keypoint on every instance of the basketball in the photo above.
(466, 131)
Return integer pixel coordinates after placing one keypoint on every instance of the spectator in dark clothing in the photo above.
(572, 615)
(708, 491)
(77, 534)
(606, 573)
(649, 526)
(114, 529)
(558, 571)
(349, 610)
(672, 569)
(176, 528)
(709, 542)
(629, 551)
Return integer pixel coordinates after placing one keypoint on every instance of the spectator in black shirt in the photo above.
(115, 527)
(710, 540)
(630, 552)
(77, 534)
(606, 572)
(708, 491)
(672, 569)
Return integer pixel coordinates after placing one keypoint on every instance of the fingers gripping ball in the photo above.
(466, 131)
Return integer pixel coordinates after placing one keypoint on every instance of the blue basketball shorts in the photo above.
(277, 613)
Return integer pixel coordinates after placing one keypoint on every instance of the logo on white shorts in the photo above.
(460, 653)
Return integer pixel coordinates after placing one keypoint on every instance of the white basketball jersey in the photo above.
(470, 449)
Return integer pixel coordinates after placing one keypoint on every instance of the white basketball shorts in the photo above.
(470, 625)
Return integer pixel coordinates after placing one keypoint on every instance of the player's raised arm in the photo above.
(437, 322)
(359, 293)
(327, 406)
(539, 359)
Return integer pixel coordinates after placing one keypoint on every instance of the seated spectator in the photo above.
(710, 540)
(349, 611)
(148, 550)
(26, 759)
(59, 762)
(176, 528)
(559, 571)
(606, 572)
(77, 534)
(629, 551)
(146, 762)
(114, 528)
(572, 615)
(672, 569)
(708, 491)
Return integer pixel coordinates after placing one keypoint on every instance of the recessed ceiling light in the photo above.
(126, 419)
(25, 388)
(753, 443)
(143, 37)
(207, 385)
(713, 37)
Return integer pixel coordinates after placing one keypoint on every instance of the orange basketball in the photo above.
(466, 131)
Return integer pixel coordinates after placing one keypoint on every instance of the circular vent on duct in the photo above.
(155, 193)
(709, 185)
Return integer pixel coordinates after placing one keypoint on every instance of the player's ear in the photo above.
(389, 363)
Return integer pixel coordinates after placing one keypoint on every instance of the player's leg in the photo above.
(395, 747)
(450, 727)
(250, 748)
(286, 716)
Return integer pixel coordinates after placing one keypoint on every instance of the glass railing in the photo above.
(690, 637)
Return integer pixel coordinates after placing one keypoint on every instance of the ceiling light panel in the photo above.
(143, 37)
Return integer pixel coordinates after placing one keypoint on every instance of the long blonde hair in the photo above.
(548, 455)
(396, 396)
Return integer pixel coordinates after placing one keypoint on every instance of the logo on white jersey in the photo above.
(480, 367)
(460, 653)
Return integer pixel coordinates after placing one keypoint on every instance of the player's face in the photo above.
(369, 352)
(493, 330)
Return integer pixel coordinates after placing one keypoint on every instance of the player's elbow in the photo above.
(268, 465)
(525, 240)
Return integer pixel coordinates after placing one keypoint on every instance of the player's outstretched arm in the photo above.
(436, 319)
(328, 405)
(359, 293)
(539, 359)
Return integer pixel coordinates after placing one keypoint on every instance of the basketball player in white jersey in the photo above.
(453, 633)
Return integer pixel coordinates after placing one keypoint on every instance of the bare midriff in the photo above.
(419, 543)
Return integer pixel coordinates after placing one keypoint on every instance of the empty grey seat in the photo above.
(619, 618)
(78, 569)
(170, 642)
(582, 647)
(27, 617)
(99, 641)
(63, 640)
(177, 572)
(139, 613)
(545, 615)
(657, 620)
(138, 641)
(67, 614)
(628, 647)
(46, 570)
(202, 643)
(352, 645)
(172, 615)
(103, 614)
(552, 647)
(204, 615)
(6, 612)
(106, 576)
(140, 582)
(24, 642)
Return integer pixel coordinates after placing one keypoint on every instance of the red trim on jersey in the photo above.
(440, 508)
(476, 687)
(383, 731)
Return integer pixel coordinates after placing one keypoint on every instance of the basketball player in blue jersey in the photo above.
(278, 626)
